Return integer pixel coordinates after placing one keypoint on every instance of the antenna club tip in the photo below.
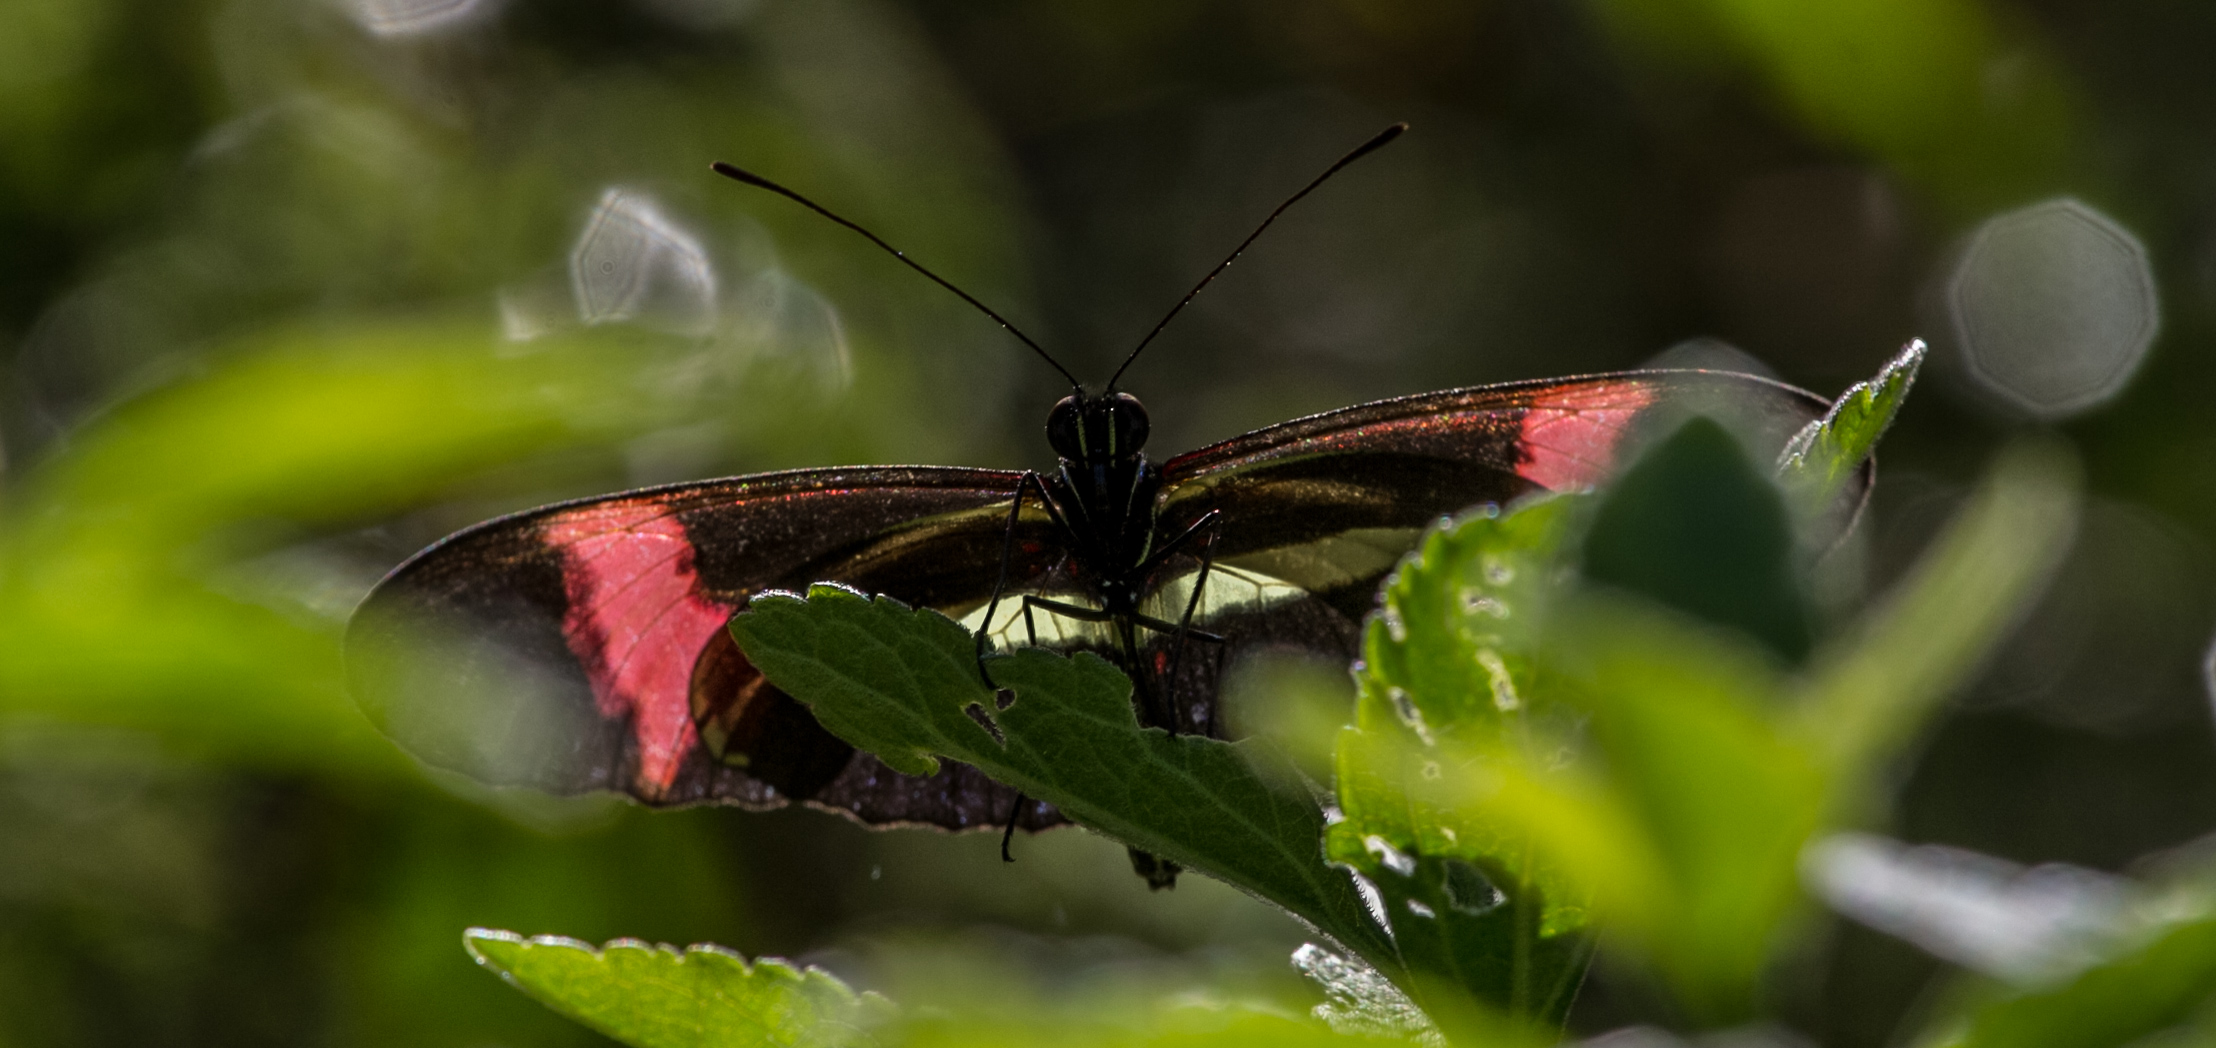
(1379, 141)
(735, 172)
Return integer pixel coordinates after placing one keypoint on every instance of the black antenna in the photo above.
(734, 172)
(1360, 151)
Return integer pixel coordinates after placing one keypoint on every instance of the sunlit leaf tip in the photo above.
(658, 997)
(1827, 451)
(1359, 1001)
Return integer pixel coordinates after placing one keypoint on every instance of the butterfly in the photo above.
(583, 646)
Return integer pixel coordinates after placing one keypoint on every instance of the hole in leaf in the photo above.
(977, 713)
(1468, 890)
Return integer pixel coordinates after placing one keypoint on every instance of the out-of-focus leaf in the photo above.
(2166, 982)
(1210, 1025)
(1680, 804)
(320, 427)
(1684, 724)
(2021, 926)
(1457, 622)
(1871, 690)
(1456, 931)
(1694, 525)
(1822, 457)
(128, 593)
(903, 684)
(1681, 813)
(705, 997)
(111, 600)
(1907, 81)
(1449, 656)
(964, 993)
(1299, 702)
(1448, 671)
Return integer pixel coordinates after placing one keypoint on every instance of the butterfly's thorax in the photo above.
(1104, 491)
(1109, 505)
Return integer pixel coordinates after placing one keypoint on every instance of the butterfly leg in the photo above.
(1070, 611)
(1029, 480)
(1009, 834)
(1210, 522)
(1192, 604)
(1158, 707)
(1169, 676)
(1073, 611)
(1031, 634)
(1158, 872)
(1168, 628)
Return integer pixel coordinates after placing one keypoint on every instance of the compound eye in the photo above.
(1130, 422)
(1062, 428)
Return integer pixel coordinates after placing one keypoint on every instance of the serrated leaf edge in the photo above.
(474, 935)
(1902, 369)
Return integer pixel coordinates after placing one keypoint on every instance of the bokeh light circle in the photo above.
(2053, 307)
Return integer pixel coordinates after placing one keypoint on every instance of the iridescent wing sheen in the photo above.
(581, 646)
(1315, 511)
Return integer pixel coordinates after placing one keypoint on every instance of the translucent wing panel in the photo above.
(1241, 613)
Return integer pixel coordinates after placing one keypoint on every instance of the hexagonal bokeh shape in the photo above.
(2053, 307)
(631, 259)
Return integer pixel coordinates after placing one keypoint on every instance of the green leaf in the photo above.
(1448, 672)
(148, 521)
(1453, 925)
(706, 997)
(2162, 984)
(1694, 525)
(1458, 619)
(1685, 726)
(1706, 768)
(1597, 747)
(1678, 812)
(903, 684)
(1822, 457)
(1110, 1023)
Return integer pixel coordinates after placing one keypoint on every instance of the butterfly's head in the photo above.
(1097, 429)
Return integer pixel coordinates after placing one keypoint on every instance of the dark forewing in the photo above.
(582, 646)
(1331, 501)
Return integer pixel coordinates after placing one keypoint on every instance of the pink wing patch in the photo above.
(1569, 435)
(637, 622)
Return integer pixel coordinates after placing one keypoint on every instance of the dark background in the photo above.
(201, 841)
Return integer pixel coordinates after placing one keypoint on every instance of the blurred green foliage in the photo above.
(1944, 92)
(2159, 988)
(1709, 767)
(286, 291)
